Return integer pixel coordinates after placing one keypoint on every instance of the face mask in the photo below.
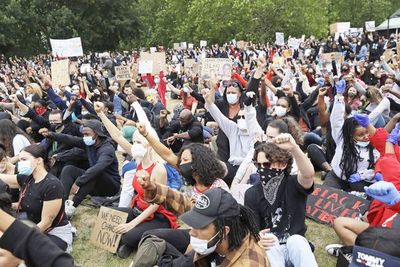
(280, 111)
(25, 168)
(55, 127)
(271, 180)
(362, 143)
(84, 112)
(186, 170)
(88, 140)
(232, 98)
(138, 151)
(157, 80)
(351, 94)
(241, 123)
(40, 110)
(201, 246)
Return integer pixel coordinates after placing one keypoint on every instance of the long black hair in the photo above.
(351, 156)
(8, 130)
(239, 227)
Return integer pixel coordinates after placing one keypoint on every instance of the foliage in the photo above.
(27, 25)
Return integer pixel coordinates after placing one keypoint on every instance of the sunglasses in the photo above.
(231, 83)
(264, 165)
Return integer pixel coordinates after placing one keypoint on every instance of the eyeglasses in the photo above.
(231, 83)
(264, 165)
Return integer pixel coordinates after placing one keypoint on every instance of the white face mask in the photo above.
(280, 111)
(200, 246)
(138, 151)
(157, 80)
(362, 143)
(231, 98)
(241, 123)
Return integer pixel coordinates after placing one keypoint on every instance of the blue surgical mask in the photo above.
(362, 144)
(231, 98)
(88, 140)
(24, 167)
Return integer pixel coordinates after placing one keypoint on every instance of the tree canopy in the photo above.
(27, 25)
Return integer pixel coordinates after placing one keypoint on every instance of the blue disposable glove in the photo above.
(384, 192)
(394, 135)
(320, 81)
(340, 87)
(74, 118)
(355, 177)
(362, 120)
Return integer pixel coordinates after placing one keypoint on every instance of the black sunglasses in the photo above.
(264, 165)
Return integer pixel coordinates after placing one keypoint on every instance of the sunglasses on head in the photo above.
(231, 83)
(264, 165)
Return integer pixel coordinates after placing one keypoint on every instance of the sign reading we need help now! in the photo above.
(103, 235)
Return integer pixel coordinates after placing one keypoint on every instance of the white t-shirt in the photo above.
(19, 143)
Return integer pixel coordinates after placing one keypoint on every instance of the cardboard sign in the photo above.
(103, 235)
(177, 46)
(340, 27)
(325, 60)
(145, 66)
(73, 67)
(216, 68)
(122, 73)
(278, 61)
(85, 68)
(203, 43)
(280, 38)
(370, 26)
(398, 49)
(66, 47)
(325, 204)
(387, 55)
(158, 59)
(241, 44)
(60, 72)
(189, 63)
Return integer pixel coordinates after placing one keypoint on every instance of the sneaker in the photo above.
(124, 252)
(333, 249)
(69, 208)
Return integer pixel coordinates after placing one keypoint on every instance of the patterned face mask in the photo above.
(271, 180)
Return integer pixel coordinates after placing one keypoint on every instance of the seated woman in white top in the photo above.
(13, 138)
(378, 108)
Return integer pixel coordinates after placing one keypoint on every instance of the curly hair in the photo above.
(205, 164)
(274, 154)
(294, 129)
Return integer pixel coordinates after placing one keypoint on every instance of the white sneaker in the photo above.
(333, 249)
(69, 208)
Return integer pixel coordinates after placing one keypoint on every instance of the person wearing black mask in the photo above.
(279, 201)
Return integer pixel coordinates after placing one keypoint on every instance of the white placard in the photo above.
(153, 49)
(183, 45)
(203, 43)
(190, 46)
(145, 66)
(280, 38)
(340, 27)
(216, 68)
(85, 68)
(370, 26)
(177, 46)
(294, 43)
(66, 47)
(60, 72)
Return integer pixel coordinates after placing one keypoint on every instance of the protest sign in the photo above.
(122, 73)
(325, 60)
(66, 47)
(183, 45)
(203, 43)
(340, 27)
(145, 66)
(189, 64)
(85, 68)
(287, 53)
(278, 61)
(326, 203)
(280, 38)
(158, 59)
(73, 67)
(387, 55)
(370, 26)
(216, 68)
(103, 235)
(241, 44)
(153, 49)
(398, 49)
(190, 46)
(294, 43)
(177, 46)
(60, 72)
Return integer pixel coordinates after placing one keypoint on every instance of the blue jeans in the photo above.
(379, 122)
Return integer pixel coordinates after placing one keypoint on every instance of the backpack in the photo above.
(174, 179)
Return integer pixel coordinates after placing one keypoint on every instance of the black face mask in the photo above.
(271, 179)
(55, 126)
(186, 171)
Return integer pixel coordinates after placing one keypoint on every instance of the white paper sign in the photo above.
(294, 43)
(153, 49)
(190, 46)
(183, 45)
(85, 68)
(216, 68)
(66, 47)
(176, 46)
(145, 66)
(370, 26)
(279, 38)
(203, 43)
(60, 72)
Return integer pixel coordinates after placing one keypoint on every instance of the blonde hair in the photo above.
(36, 89)
(373, 94)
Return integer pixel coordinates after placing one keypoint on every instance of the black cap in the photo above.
(96, 126)
(213, 204)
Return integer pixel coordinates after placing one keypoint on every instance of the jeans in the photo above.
(296, 252)
(379, 122)
(311, 138)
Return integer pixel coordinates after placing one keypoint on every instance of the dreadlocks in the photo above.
(239, 227)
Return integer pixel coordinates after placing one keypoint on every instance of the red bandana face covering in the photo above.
(40, 110)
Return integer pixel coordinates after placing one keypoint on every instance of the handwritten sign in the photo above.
(294, 43)
(216, 68)
(189, 64)
(145, 66)
(103, 235)
(287, 53)
(190, 46)
(67, 47)
(325, 60)
(85, 68)
(370, 26)
(326, 203)
(158, 59)
(278, 61)
(183, 45)
(177, 46)
(339, 27)
(280, 38)
(122, 73)
(203, 43)
(241, 44)
(60, 72)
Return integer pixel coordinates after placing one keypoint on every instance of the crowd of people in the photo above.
(234, 160)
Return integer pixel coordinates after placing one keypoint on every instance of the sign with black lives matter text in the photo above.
(103, 235)
(122, 73)
(216, 69)
(325, 204)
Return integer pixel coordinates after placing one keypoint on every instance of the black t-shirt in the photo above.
(34, 194)
(289, 216)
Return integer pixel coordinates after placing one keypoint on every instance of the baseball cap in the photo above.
(213, 204)
(96, 126)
